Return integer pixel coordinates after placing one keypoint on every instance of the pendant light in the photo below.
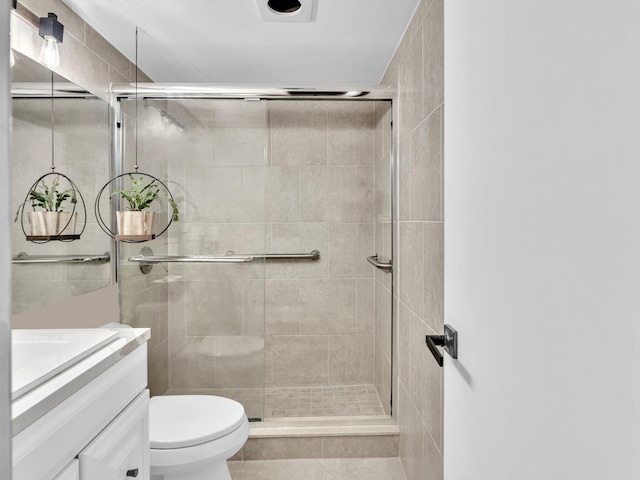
(51, 30)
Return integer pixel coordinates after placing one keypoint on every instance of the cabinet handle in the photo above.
(132, 473)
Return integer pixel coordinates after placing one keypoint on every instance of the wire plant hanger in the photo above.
(55, 226)
(139, 196)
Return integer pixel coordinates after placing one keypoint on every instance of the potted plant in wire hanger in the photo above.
(51, 220)
(138, 221)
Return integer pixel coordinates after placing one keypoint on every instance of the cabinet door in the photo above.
(70, 472)
(121, 450)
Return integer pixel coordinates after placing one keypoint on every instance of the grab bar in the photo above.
(189, 259)
(22, 257)
(313, 255)
(373, 260)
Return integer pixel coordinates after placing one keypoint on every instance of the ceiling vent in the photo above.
(296, 11)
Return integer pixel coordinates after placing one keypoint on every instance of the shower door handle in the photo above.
(373, 260)
(449, 341)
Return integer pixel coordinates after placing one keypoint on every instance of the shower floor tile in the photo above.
(347, 400)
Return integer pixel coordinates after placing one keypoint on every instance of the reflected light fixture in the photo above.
(12, 58)
(51, 30)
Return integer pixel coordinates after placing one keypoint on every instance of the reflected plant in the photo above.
(48, 198)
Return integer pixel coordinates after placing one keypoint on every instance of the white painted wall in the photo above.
(542, 249)
(5, 247)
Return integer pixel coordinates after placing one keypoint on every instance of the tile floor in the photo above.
(345, 400)
(319, 469)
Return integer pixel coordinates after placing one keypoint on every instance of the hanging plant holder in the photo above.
(50, 222)
(137, 224)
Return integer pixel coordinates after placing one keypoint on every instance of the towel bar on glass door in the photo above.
(312, 255)
(22, 257)
(190, 259)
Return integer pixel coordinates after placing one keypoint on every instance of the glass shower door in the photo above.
(207, 318)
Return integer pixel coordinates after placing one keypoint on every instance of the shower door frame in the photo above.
(156, 91)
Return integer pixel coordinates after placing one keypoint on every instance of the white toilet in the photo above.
(192, 436)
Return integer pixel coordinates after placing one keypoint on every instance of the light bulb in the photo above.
(12, 59)
(49, 55)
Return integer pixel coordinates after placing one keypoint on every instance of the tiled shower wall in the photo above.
(276, 176)
(417, 71)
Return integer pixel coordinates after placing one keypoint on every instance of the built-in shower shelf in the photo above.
(49, 238)
(134, 238)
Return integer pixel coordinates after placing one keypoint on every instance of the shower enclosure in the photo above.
(295, 188)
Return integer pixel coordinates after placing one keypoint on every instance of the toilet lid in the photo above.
(186, 420)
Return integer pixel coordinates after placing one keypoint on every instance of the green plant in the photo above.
(141, 196)
(49, 198)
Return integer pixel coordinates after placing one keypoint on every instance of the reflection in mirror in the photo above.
(51, 272)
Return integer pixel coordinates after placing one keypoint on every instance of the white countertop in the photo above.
(51, 365)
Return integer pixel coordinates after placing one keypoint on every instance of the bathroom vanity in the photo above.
(80, 404)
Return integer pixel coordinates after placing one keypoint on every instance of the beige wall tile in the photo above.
(349, 244)
(434, 459)
(298, 132)
(411, 274)
(101, 47)
(350, 359)
(271, 194)
(253, 307)
(434, 275)
(218, 193)
(426, 169)
(144, 312)
(281, 308)
(382, 378)
(383, 319)
(192, 362)
(299, 360)
(365, 317)
(239, 145)
(404, 180)
(361, 446)
(239, 362)
(351, 133)
(214, 307)
(327, 306)
(433, 57)
(383, 189)
(337, 194)
(177, 309)
(411, 435)
(159, 369)
(410, 85)
(299, 238)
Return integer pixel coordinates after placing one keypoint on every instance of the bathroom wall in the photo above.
(417, 70)
(276, 176)
(86, 58)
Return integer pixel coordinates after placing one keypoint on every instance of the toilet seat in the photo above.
(181, 421)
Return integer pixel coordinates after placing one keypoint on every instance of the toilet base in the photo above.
(219, 471)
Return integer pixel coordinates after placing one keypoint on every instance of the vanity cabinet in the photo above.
(100, 432)
(120, 451)
(71, 472)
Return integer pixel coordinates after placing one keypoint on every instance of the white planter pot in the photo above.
(135, 223)
(52, 223)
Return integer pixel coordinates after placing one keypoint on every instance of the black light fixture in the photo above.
(52, 31)
(284, 6)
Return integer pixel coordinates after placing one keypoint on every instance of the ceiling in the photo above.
(349, 42)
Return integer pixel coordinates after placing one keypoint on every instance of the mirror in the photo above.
(47, 273)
